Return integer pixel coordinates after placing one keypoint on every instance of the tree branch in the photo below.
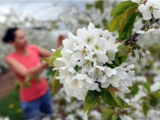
(134, 36)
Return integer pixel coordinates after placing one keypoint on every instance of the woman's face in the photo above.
(20, 40)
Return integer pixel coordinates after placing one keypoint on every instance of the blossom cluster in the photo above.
(149, 9)
(83, 65)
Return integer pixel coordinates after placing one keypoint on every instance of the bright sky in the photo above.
(40, 9)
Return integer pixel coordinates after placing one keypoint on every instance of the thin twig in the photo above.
(134, 36)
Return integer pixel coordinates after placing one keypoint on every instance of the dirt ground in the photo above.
(7, 82)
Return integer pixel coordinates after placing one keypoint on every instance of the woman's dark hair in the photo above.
(10, 34)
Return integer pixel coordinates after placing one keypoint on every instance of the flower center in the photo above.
(100, 35)
(94, 56)
(96, 47)
(84, 51)
(151, 8)
(89, 40)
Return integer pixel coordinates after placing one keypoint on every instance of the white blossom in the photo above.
(149, 37)
(151, 7)
(82, 66)
(96, 115)
(125, 117)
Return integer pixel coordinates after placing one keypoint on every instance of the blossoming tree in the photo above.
(92, 65)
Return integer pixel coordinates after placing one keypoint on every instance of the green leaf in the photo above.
(56, 82)
(28, 78)
(127, 30)
(114, 117)
(110, 99)
(134, 89)
(114, 24)
(154, 101)
(124, 50)
(55, 55)
(18, 84)
(156, 94)
(89, 6)
(122, 7)
(145, 108)
(120, 101)
(106, 112)
(126, 23)
(27, 84)
(105, 23)
(122, 59)
(126, 16)
(47, 60)
(110, 65)
(77, 68)
(37, 78)
(91, 100)
(147, 86)
(99, 5)
(118, 60)
(149, 65)
(118, 118)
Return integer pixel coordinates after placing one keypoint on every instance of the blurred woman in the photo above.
(24, 62)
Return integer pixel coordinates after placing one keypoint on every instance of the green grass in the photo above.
(10, 106)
